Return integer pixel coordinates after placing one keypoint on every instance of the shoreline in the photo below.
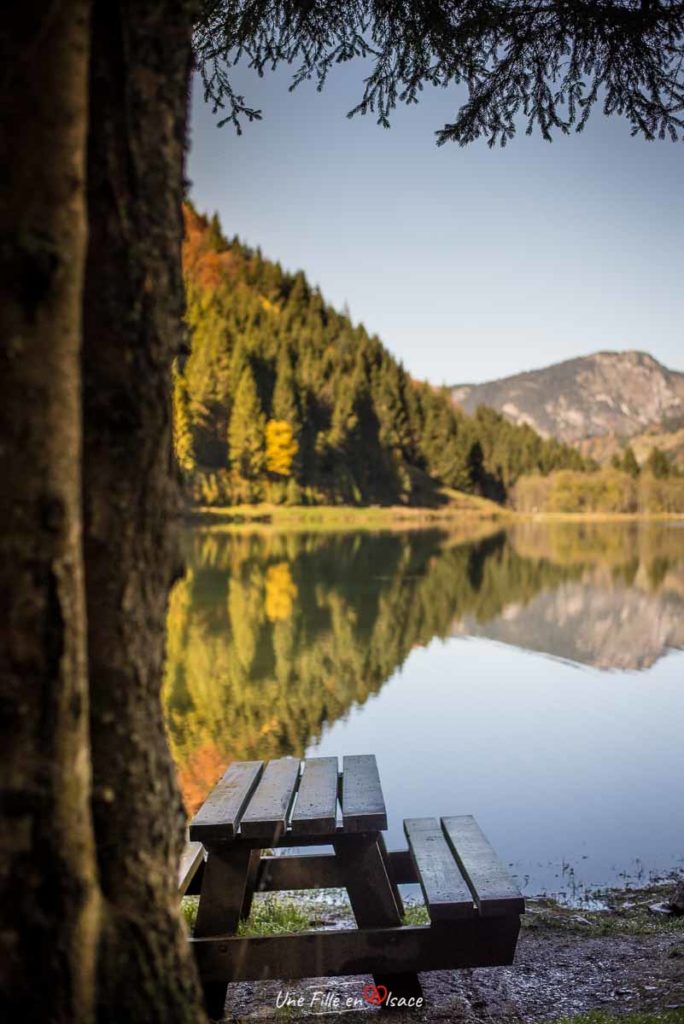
(470, 512)
(621, 963)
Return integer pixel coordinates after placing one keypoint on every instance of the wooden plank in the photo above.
(191, 859)
(363, 805)
(446, 893)
(492, 887)
(480, 942)
(305, 871)
(219, 816)
(267, 812)
(316, 808)
(323, 871)
(290, 838)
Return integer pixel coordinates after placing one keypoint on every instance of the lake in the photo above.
(533, 677)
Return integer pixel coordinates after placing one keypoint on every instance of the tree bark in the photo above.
(48, 893)
(141, 61)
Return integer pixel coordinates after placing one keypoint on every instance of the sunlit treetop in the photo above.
(529, 64)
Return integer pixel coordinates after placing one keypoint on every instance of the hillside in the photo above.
(618, 394)
(668, 437)
(280, 398)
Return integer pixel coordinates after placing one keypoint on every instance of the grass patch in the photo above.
(639, 924)
(269, 916)
(189, 905)
(627, 912)
(604, 922)
(273, 916)
(455, 506)
(415, 914)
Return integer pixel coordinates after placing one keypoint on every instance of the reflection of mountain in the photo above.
(609, 627)
(272, 636)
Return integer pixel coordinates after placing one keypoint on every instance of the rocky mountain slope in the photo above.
(607, 393)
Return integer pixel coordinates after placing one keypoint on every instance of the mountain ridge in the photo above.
(621, 393)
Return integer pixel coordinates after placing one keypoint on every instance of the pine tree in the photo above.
(215, 239)
(285, 406)
(246, 430)
(658, 464)
(475, 464)
(629, 462)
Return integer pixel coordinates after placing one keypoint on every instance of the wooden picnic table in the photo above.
(257, 808)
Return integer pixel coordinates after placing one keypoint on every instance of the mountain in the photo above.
(282, 398)
(619, 394)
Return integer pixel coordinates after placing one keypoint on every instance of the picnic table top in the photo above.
(287, 797)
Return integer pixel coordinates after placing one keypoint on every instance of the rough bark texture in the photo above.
(132, 330)
(48, 897)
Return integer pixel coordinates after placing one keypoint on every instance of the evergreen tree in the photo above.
(629, 462)
(246, 431)
(215, 239)
(658, 464)
(285, 406)
(475, 464)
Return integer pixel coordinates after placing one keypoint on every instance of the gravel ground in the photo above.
(624, 958)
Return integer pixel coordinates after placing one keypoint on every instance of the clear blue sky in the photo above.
(468, 263)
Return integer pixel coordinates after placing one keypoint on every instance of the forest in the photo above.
(281, 398)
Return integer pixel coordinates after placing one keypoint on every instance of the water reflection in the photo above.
(623, 610)
(273, 636)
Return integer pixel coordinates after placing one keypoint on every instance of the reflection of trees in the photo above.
(650, 549)
(271, 636)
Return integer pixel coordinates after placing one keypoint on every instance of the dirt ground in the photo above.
(624, 958)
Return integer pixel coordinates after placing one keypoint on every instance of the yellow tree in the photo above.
(281, 447)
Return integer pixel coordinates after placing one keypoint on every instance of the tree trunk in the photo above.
(141, 61)
(48, 894)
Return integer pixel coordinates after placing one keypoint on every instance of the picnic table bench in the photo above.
(473, 905)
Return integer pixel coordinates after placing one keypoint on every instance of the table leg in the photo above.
(224, 895)
(252, 874)
(372, 896)
(367, 881)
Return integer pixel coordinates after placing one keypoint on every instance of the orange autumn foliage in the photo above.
(201, 262)
(199, 774)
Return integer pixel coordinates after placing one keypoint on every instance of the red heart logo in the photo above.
(375, 994)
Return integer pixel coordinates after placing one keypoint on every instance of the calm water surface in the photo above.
(534, 678)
